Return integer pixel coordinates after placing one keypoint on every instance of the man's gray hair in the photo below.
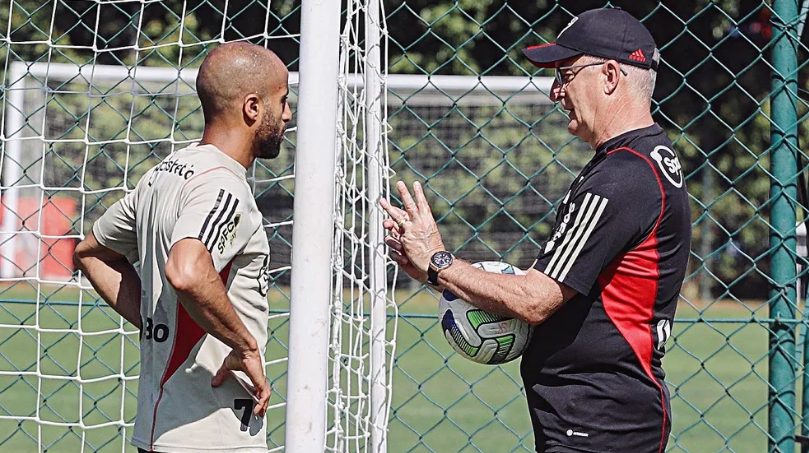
(642, 80)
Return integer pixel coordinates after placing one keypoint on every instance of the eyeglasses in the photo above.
(561, 79)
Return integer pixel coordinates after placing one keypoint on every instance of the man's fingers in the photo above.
(394, 212)
(220, 376)
(397, 216)
(421, 200)
(392, 227)
(394, 243)
(407, 201)
(263, 393)
(399, 257)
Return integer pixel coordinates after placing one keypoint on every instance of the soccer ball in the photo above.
(481, 336)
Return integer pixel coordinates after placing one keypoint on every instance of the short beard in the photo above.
(268, 137)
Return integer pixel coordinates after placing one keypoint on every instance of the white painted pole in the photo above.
(12, 169)
(802, 19)
(446, 88)
(374, 164)
(313, 227)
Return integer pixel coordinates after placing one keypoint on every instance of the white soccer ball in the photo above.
(479, 335)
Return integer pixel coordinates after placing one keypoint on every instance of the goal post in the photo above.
(376, 153)
(313, 229)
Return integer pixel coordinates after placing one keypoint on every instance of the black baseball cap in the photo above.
(610, 33)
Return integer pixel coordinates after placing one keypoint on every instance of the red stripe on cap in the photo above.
(539, 46)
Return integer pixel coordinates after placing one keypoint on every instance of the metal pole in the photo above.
(375, 161)
(313, 227)
(802, 291)
(12, 169)
(783, 193)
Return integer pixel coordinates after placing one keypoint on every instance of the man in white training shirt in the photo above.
(201, 299)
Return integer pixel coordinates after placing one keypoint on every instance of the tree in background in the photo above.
(712, 98)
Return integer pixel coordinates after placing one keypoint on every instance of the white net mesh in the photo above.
(362, 341)
(94, 94)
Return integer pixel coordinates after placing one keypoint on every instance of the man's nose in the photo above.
(556, 92)
(287, 115)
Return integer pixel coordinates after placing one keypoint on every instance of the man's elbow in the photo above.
(541, 297)
(534, 315)
(178, 276)
(536, 309)
(183, 276)
(81, 253)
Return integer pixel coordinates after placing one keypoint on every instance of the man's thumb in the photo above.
(220, 377)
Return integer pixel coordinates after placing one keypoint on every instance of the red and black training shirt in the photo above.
(592, 373)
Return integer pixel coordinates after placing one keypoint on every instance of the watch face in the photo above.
(442, 259)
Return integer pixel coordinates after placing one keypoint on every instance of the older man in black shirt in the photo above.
(604, 287)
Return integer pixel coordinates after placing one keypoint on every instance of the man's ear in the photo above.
(251, 108)
(612, 73)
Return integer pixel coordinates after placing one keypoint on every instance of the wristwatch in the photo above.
(438, 262)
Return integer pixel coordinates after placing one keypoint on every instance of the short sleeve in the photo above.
(612, 211)
(215, 208)
(116, 229)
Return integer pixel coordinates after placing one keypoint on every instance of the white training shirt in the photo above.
(198, 192)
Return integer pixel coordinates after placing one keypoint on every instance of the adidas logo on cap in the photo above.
(637, 56)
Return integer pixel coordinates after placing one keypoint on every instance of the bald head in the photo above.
(234, 70)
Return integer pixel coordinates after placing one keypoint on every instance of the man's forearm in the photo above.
(480, 289)
(526, 297)
(206, 301)
(117, 282)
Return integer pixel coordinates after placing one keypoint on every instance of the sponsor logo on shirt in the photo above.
(669, 165)
(573, 236)
(228, 234)
(560, 229)
(663, 333)
(173, 167)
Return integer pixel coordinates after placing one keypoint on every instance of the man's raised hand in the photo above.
(414, 235)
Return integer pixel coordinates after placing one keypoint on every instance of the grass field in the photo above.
(717, 374)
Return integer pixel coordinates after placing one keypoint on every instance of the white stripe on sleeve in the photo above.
(583, 241)
(564, 257)
(567, 235)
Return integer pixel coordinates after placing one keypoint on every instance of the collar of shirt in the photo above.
(231, 163)
(626, 137)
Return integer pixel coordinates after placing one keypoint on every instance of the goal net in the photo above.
(96, 92)
(93, 94)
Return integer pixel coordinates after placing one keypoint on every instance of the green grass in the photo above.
(717, 374)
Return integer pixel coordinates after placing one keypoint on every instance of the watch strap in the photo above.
(433, 269)
(432, 276)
